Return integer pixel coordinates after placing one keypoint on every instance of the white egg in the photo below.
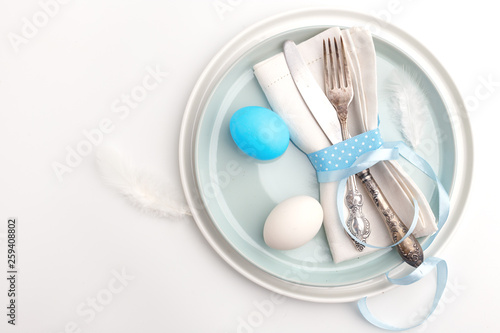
(293, 222)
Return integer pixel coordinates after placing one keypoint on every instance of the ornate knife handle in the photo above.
(356, 222)
(409, 249)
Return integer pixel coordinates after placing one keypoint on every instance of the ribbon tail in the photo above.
(427, 266)
(443, 198)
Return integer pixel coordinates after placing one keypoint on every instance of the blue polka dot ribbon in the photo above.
(339, 161)
(343, 154)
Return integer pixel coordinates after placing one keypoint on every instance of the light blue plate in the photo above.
(234, 193)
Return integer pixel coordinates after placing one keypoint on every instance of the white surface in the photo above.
(76, 235)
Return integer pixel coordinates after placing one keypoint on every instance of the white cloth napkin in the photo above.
(274, 78)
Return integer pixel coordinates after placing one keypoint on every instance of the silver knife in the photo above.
(322, 110)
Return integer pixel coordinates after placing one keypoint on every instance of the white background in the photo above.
(76, 234)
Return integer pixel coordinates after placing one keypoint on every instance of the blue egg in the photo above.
(259, 132)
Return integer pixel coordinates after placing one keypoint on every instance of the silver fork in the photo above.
(339, 90)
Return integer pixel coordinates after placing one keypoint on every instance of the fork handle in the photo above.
(409, 249)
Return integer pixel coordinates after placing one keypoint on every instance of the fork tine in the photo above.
(332, 65)
(326, 72)
(347, 74)
(340, 63)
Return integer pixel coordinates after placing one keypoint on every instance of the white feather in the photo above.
(146, 191)
(409, 105)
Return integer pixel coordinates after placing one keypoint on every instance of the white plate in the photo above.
(229, 193)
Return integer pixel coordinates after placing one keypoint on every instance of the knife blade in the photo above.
(320, 107)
